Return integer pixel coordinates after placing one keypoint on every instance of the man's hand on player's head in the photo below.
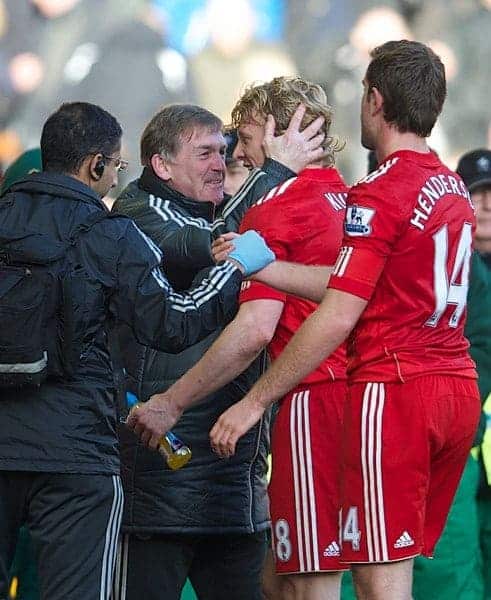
(233, 424)
(152, 419)
(295, 149)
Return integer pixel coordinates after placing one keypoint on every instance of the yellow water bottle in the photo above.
(175, 452)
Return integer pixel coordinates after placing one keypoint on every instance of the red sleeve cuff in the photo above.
(254, 290)
(352, 286)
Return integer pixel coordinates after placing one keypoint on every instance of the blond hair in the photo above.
(280, 97)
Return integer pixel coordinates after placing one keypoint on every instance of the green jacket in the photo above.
(478, 330)
(478, 325)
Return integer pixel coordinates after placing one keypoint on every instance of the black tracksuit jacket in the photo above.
(209, 495)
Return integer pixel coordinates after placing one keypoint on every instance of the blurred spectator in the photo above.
(66, 36)
(21, 71)
(464, 28)
(189, 30)
(10, 146)
(234, 57)
(475, 169)
(144, 74)
(330, 42)
(66, 48)
(27, 163)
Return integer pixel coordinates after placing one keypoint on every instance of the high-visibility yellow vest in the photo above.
(486, 443)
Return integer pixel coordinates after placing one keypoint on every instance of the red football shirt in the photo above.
(406, 249)
(301, 221)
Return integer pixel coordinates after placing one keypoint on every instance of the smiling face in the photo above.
(198, 169)
(249, 147)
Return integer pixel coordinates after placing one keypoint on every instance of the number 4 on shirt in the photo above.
(454, 293)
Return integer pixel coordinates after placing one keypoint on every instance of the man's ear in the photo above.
(161, 167)
(376, 100)
(95, 165)
(87, 171)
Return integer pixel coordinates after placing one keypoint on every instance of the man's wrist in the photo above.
(170, 403)
(236, 263)
(264, 274)
(257, 403)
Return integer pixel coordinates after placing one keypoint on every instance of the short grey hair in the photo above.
(164, 133)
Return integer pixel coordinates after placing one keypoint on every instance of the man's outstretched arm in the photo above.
(238, 345)
(316, 339)
(306, 281)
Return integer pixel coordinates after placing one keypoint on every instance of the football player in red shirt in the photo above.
(302, 221)
(398, 291)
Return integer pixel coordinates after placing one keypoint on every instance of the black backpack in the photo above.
(38, 336)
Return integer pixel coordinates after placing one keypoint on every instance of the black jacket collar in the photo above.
(57, 184)
(150, 183)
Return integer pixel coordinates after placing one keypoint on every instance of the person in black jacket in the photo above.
(59, 464)
(207, 521)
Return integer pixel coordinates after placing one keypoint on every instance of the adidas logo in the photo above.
(332, 550)
(404, 541)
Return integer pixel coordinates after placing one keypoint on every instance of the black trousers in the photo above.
(220, 567)
(74, 523)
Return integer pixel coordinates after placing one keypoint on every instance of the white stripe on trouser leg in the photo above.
(303, 481)
(117, 570)
(310, 481)
(371, 458)
(112, 533)
(115, 535)
(296, 479)
(121, 569)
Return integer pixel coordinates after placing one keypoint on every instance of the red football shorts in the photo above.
(405, 446)
(304, 488)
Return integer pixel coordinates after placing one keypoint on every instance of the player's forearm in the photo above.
(308, 282)
(316, 339)
(225, 360)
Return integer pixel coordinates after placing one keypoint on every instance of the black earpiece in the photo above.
(99, 168)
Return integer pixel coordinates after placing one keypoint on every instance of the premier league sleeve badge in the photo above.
(358, 220)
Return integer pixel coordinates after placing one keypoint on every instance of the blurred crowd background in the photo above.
(132, 56)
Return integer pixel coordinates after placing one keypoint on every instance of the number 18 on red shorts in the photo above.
(304, 489)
